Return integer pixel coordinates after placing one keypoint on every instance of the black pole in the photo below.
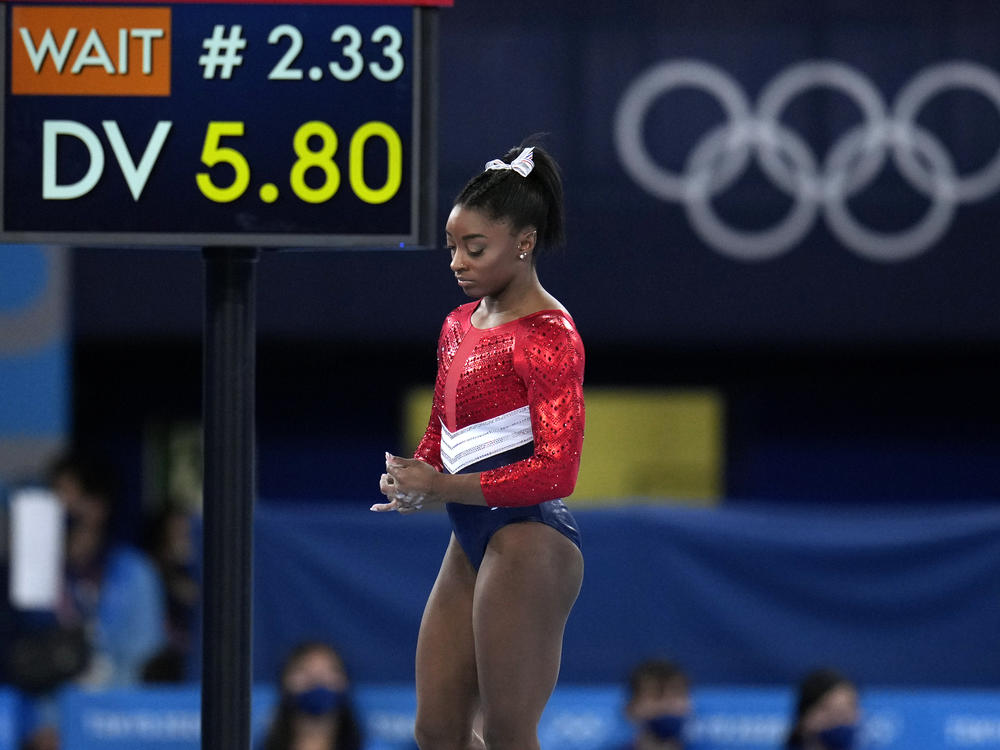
(230, 485)
(430, 77)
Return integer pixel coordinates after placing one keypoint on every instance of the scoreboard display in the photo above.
(262, 124)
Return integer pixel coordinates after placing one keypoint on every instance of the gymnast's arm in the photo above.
(550, 360)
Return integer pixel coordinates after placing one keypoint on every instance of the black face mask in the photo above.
(841, 737)
(667, 726)
(317, 701)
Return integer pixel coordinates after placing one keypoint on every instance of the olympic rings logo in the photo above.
(722, 155)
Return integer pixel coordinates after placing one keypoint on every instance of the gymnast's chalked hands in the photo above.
(407, 483)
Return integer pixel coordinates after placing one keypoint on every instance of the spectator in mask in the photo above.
(314, 711)
(111, 589)
(658, 705)
(826, 713)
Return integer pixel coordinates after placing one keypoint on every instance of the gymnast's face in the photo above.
(485, 254)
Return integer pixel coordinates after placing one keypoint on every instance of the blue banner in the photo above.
(747, 595)
(794, 172)
(576, 718)
(151, 718)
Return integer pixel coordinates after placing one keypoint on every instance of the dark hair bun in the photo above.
(535, 200)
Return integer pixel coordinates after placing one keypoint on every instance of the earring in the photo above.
(523, 255)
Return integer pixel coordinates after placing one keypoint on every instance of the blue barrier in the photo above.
(160, 718)
(577, 718)
(737, 594)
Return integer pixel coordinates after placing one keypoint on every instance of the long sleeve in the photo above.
(429, 448)
(549, 358)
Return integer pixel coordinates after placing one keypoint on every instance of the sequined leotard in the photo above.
(508, 402)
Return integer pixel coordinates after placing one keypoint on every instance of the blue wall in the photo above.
(34, 357)
(747, 595)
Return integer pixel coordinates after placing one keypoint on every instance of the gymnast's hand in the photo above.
(407, 483)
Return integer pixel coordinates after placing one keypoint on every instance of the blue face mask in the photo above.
(667, 726)
(838, 738)
(317, 701)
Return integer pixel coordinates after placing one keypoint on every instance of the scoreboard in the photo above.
(178, 124)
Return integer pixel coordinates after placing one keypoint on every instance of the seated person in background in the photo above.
(826, 713)
(111, 590)
(314, 711)
(659, 705)
(170, 543)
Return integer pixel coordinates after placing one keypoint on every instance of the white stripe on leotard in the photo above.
(479, 441)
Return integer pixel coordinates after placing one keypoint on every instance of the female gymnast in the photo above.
(501, 450)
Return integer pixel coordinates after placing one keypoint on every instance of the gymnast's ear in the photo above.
(526, 239)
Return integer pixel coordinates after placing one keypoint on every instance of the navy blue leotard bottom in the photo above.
(475, 525)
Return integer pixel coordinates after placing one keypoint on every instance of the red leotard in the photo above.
(488, 382)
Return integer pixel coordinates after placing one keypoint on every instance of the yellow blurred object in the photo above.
(639, 445)
(651, 443)
(416, 414)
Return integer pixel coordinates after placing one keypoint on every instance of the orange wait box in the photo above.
(87, 51)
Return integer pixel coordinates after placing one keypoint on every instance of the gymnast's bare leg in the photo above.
(521, 599)
(527, 584)
(447, 680)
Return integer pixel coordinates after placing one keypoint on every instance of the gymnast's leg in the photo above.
(527, 584)
(447, 686)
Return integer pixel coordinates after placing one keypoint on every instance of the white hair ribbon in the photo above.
(523, 164)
